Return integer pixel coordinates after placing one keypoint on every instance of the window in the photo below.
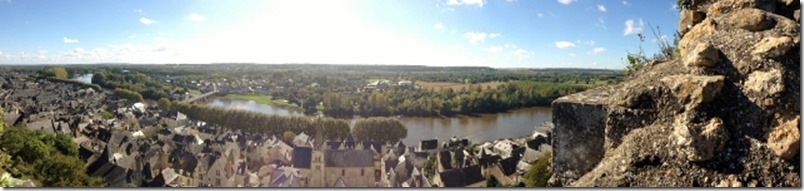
(343, 172)
(362, 172)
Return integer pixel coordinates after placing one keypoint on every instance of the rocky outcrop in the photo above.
(724, 113)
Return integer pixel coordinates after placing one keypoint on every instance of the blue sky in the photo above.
(495, 33)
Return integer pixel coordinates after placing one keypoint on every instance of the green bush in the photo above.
(56, 72)
(128, 94)
(49, 160)
(539, 172)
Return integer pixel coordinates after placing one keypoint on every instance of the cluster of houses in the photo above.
(240, 86)
(383, 84)
(136, 145)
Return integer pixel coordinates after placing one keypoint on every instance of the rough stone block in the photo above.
(578, 143)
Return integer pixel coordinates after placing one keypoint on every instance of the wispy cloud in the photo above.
(478, 3)
(633, 28)
(70, 40)
(564, 44)
(196, 17)
(601, 8)
(566, 2)
(540, 15)
(626, 3)
(138, 10)
(597, 50)
(476, 37)
(147, 21)
(601, 23)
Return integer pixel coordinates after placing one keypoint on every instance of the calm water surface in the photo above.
(86, 78)
(485, 127)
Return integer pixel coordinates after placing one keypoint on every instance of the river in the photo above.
(485, 127)
(86, 78)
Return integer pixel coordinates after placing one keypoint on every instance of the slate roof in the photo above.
(376, 145)
(517, 153)
(508, 165)
(403, 171)
(445, 159)
(178, 138)
(462, 177)
(302, 157)
(490, 160)
(188, 163)
(535, 143)
(429, 144)
(348, 158)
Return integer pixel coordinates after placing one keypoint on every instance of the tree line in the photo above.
(446, 102)
(378, 129)
(146, 86)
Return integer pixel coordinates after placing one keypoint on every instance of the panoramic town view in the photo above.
(411, 94)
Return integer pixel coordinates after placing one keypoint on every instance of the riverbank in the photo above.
(267, 100)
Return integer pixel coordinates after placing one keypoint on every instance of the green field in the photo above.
(265, 99)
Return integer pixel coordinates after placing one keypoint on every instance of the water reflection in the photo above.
(484, 127)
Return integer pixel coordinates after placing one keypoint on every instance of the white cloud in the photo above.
(601, 8)
(572, 54)
(439, 27)
(601, 23)
(70, 40)
(494, 35)
(590, 42)
(78, 50)
(566, 2)
(479, 3)
(196, 17)
(540, 15)
(597, 50)
(138, 10)
(633, 28)
(564, 44)
(42, 51)
(475, 37)
(147, 21)
(495, 49)
(626, 3)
